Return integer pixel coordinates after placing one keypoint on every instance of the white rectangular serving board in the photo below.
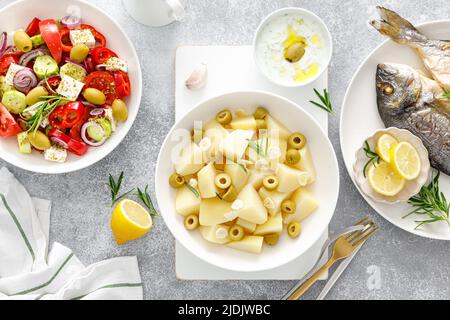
(231, 68)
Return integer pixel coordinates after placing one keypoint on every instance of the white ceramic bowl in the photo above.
(18, 15)
(326, 188)
(301, 12)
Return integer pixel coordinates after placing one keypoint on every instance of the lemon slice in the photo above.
(384, 145)
(406, 161)
(384, 180)
(130, 221)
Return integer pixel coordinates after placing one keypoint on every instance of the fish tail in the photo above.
(397, 28)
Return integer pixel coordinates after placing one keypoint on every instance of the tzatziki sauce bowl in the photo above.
(292, 47)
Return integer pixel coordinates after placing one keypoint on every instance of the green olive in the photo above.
(261, 124)
(271, 239)
(292, 156)
(296, 141)
(294, 229)
(191, 222)
(224, 117)
(39, 140)
(222, 181)
(176, 181)
(120, 110)
(22, 41)
(270, 182)
(260, 113)
(79, 52)
(288, 207)
(230, 195)
(34, 95)
(236, 233)
(196, 135)
(294, 52)
(94, 96)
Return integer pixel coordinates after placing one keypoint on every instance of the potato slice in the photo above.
(251, 244)
(306, 163)
(273, 225)
(186, 202)
(272, 200)
(216, 133)
(243, 123)
(256, 177)
(206, 183)
(247, 225)
(290, 179)
(190, 160)
(253, 209)
(234, 145)
(277, 130)
(306, 204)
(213, 211)
(237, 173)
(209, 233)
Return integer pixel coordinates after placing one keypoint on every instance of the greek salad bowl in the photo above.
(70, 84)
(259, 181)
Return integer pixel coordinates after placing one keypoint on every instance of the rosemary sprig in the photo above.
(145, 198)
(114, 187)
(258, 147)
(430, 202)
(325, 102)
(446, 94)
(193, 190)
(243, 167)
(374, 158)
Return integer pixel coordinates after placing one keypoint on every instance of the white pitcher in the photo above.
(155, 13)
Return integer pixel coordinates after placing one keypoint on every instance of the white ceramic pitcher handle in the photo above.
(177, 8)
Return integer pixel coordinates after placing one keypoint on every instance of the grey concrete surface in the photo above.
(410, 267)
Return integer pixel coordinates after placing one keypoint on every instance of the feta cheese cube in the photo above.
(110, 117)
(84, 36)
(55, 154)
(13, 68)
(114, 64)
(69, 87)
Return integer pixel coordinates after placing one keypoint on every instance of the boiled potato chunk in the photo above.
(213, 211)
(276, 129)
(216, 133)
(186, 202)
(273, 225)
(290, 178)
(248, 226)
(253, 209)
(234, 145)
(243, 123)
(273, 199)
(256, 177)
(306, 163)
(190, 160)
(306, 204)
(237, 174)
(206, 183)
(209, 233)
(251, 244)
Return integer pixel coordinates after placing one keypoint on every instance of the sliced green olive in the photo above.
(270, 182)
(230, 195)
(176, 181)
(191, 222)
(222, 181)
(260, 113)
(288, 207)
(22, 41)
(292, 156)
(39, 140)
(236, 233)
(294, 229)
(224, 117)
(296, 141)
(294, 52)
(271, 239)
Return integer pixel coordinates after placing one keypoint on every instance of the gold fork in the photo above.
(343, 248)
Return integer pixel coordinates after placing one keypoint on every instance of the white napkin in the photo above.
(28, 272)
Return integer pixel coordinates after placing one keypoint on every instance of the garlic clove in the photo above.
(198, 77)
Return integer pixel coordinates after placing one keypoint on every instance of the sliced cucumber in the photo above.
(4, 86)
(24, 143)
(45, 66)
(37, 40)
(106, 125)
(14, 101)
(95, 132)
(73, 71)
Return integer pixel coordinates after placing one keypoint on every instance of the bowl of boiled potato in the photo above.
(247, 181)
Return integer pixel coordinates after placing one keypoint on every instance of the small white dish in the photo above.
(321, 29)
(411, 187)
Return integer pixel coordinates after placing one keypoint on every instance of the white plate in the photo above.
(360, 119)
(18, 15)
(326, 188)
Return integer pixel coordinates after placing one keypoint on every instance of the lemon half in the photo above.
(130, 221)
(384, 145)
(405, 161)
(384, 180)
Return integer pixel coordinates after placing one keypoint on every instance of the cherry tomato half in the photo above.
(8, 126)
(50, 34)
(53, 83)
(5, 62)
(66, 116)
(75, 131)
(101, 54)
(33, 27)
(74, 146)
(123, 85)
(103, 81)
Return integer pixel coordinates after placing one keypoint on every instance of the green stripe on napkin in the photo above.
(114, 285)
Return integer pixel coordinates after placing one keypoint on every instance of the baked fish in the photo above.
(408, 100)
(435, 54)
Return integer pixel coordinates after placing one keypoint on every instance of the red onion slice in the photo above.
(3, 41)
(89, 64)
(26, 58)
(71, 22)
(60, 142)
(67, 59)
(85, 137)
(100, 67)
(25, 80)
(97, 112)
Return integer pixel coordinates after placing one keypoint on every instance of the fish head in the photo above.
(398, 88)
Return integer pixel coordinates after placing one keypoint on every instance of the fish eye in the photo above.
(388, 89)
